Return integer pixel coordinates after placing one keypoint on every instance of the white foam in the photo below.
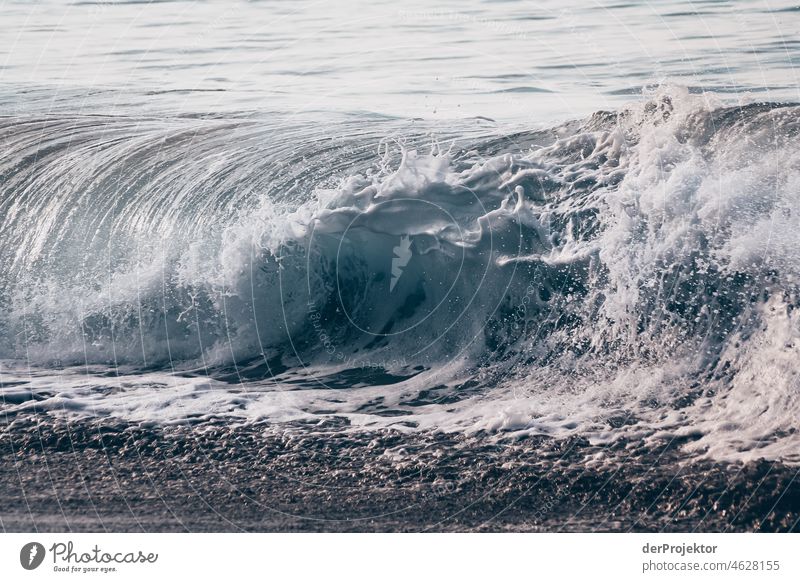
(633, 279)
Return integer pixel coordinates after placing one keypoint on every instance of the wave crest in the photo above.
(635, 269)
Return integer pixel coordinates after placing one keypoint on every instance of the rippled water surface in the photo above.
(527, 61)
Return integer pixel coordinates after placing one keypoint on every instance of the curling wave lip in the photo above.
(629, 274)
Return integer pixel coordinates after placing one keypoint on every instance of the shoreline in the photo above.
(106, 476)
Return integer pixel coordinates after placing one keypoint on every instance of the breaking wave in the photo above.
(631, 274)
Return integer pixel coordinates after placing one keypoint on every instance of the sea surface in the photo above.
(475, 223)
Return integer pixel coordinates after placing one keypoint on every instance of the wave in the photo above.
(631, 273)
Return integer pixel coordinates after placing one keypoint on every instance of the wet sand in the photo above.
(59, 476)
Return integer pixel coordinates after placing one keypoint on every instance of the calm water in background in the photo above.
(523, 61)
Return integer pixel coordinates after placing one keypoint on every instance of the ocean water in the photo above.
(491, 219)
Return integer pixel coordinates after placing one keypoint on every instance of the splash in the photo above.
(631, 275)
